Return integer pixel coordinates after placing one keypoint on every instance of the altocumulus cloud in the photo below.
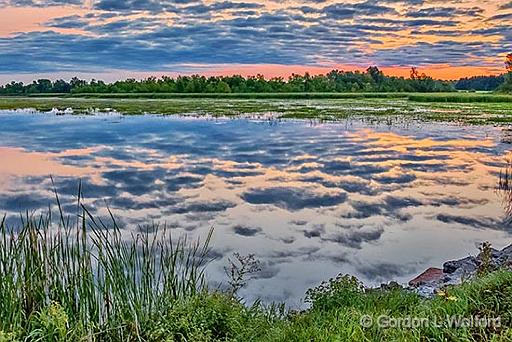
(150, 35)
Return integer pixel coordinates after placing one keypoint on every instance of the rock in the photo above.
(469, 265)
(507, 250)
(429, 282)
(427, 290)
(457, 277)
(457, 271)
(504, 257)
(431, 275)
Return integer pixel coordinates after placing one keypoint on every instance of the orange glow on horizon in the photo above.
(443, 72)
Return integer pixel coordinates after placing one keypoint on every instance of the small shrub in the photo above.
(240, 269)
(344, 290)
(206, 317)
(486, 265)
(50, 325)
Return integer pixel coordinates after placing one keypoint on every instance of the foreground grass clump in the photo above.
(339, 307)
(63, 282)
(84, 280)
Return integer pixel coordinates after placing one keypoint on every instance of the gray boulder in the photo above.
(457, 271)
(504, 257)
(468, 264)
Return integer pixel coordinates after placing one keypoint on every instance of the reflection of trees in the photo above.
(505, 188)
(506, 136)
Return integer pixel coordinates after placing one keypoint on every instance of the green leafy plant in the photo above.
(49, 325)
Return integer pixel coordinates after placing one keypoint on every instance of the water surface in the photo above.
(310, 201)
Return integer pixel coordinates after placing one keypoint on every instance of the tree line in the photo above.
(481, 83)
(371, 80)
(500, 83)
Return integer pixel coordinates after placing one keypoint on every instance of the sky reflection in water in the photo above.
(311, 201)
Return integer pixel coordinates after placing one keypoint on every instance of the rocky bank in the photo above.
(457, 271)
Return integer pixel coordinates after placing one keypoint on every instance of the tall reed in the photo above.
(106, 279)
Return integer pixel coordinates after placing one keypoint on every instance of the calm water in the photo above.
(310, 201)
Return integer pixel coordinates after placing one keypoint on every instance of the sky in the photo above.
(117, 39)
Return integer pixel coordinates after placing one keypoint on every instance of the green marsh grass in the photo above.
(289, 96)
(460, 98)
(454, 97)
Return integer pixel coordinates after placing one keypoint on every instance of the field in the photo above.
(79, 279)
(464, 108)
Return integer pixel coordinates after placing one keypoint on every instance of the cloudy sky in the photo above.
(112, 39)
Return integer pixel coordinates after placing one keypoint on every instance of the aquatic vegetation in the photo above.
(464, 108)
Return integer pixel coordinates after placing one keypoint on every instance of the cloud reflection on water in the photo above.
(310, 201)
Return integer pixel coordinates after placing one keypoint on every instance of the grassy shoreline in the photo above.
(241, 96)
(80, 279)
(451, 97)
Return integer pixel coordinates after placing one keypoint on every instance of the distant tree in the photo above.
(376, 74)
(415, 74)
(507, 85)
(421, 82)
(297, 83)
(14, 88)
(61, 86)
(77, 83)
(482, 83)
(223, 87)
(40, 86)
